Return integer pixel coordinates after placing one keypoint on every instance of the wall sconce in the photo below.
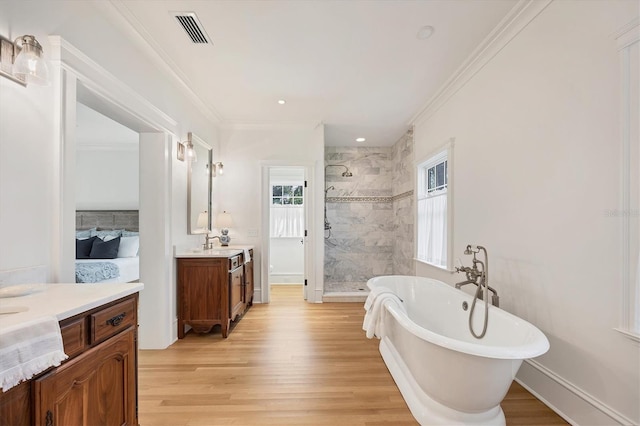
(185, 150)
(217, 169)
(21, 61)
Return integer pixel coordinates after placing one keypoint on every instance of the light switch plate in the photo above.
(252, 232)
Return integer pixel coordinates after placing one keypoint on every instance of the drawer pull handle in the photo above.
(49, 418)
(115, 321)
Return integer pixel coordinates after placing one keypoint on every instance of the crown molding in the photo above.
(110, 87)
(133, 26)
(267, 125)
(510, 26)
(628, 34)
(108, 146)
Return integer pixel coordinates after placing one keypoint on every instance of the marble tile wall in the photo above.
(403, 178)
(370, 213)
(359, 209)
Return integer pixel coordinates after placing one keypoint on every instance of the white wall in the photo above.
(107, 179)
(26, 166)
(537, 166)
(30, 128)
(286, 264)
(244, 150)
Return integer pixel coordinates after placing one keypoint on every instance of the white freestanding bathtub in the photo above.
(445, 375)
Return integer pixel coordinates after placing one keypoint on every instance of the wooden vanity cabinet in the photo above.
(212, 291)
(202, 289)
(96, 385)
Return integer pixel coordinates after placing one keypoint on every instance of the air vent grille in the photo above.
(189, 22)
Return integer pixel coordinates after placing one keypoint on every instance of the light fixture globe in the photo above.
(29, 63)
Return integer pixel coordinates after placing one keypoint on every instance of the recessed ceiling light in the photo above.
(282, 102)
(425, 32)
(360, 139)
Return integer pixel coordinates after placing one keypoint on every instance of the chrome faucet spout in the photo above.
(463, 283)
(208, 241)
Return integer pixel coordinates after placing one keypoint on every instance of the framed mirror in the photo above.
(198, 185)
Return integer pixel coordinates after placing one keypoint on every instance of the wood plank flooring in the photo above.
(287, 363)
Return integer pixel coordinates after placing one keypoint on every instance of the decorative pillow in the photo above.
(105, 249)
(129, 246)
(108, 233)
(83, 247)
(84, 234)
(126, 233)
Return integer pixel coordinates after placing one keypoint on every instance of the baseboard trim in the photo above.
(345, 296)
(569, 401)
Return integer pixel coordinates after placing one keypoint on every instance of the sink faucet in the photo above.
(476, 276)
(208, 241)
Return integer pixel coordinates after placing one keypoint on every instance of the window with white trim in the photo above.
(433, 215)
(287, 211)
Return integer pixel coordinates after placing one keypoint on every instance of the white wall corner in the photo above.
(510, 26)
(128, 22)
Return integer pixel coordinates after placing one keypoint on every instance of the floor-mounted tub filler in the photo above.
(446, 375)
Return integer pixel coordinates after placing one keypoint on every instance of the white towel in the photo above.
(373, 324)
(28, 349)
(373, 294)
(247, 256)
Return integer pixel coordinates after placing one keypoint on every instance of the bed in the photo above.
(107, 246)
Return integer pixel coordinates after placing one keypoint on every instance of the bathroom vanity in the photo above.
(97, 384)
(215, 287)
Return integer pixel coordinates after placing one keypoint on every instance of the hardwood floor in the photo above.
(287, 363)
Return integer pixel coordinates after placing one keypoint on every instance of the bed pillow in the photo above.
(84, 234)
(105, 249)
(83, 247)
(109, 233)
(126, 233)
(129, 246)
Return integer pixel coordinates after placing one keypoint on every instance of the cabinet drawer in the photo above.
(74, 336)
(112, 320)
(234, 262)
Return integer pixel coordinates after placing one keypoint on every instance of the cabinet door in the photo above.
(236, 292)
(203, 298)
(15, 405)
(98, 388)
(248, 283)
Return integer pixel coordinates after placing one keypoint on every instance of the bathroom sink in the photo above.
(6, 310)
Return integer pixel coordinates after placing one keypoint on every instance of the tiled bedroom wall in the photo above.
(371, 214)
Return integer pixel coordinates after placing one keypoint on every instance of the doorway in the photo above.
(286, 209)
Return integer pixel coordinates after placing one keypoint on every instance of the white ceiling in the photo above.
(356, 66)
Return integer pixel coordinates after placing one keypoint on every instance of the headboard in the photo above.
(107, 219)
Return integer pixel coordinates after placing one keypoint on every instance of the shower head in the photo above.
(346, 173)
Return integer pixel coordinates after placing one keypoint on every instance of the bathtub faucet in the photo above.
(474, 274)
(479, 277)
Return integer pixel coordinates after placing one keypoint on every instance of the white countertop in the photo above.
(63, 301)
(217, 251)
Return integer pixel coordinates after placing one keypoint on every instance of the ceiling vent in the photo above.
(191, 25)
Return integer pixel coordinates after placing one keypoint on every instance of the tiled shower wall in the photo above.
(403, 178)
(371, 214)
